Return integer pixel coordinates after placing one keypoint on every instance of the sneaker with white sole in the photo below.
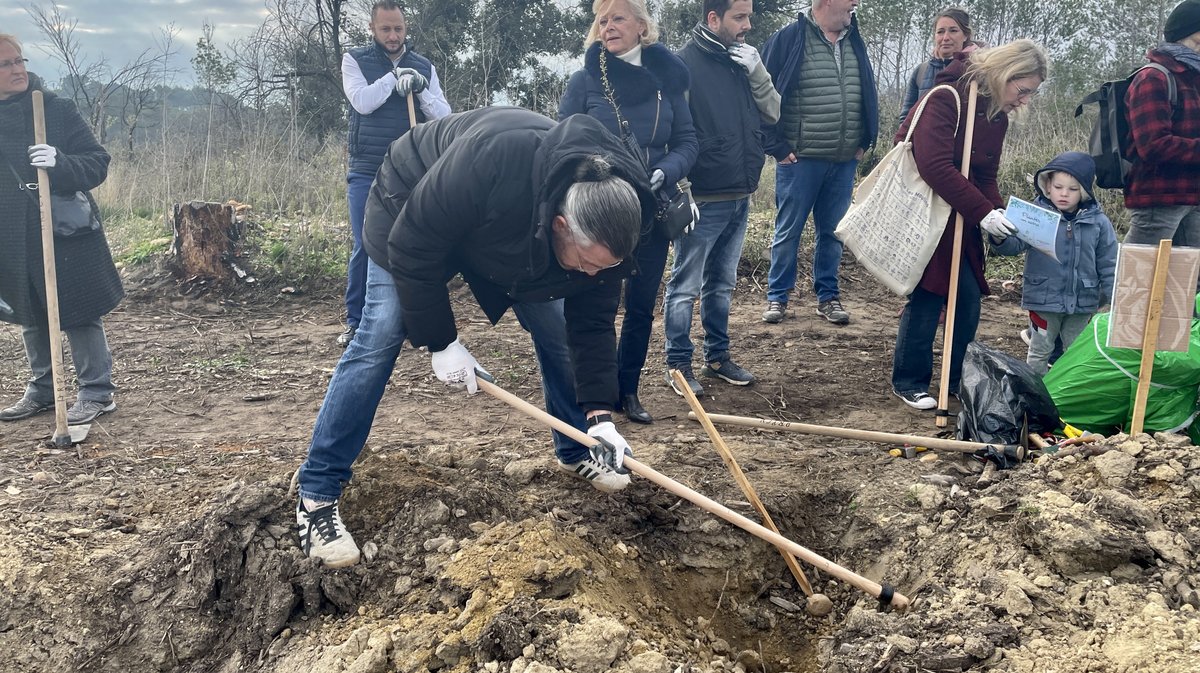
(728, 371)
(833, 311)
(323, 536)
(24, 408)
(917, 399)
(86, 411)
(598, 470)
(776, 312)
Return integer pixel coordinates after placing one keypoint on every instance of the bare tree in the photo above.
(91, 83)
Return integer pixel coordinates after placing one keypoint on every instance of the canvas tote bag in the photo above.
(896, 220)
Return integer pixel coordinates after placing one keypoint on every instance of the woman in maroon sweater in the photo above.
(1008, 77)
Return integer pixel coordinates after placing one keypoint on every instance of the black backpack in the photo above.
(1108, 143)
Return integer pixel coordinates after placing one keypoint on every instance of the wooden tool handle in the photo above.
(1150, 336)
(739, 476)
(898, 600)
(936, 443)
(62, 437)
(412, 112)
(955, 270)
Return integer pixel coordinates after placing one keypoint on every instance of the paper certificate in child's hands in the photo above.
(1036, 226)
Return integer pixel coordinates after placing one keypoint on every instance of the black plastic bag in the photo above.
(999, 393)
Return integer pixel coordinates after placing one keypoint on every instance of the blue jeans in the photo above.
(822, 188)
(358, 186)
(706, 263)
(641, 292)
(89, 353)
(912, 367)
(356, 388)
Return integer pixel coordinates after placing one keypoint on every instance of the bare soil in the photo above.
(165, 542)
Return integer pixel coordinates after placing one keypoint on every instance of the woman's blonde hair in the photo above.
(637, 8)
(995, 67)
(11, 39)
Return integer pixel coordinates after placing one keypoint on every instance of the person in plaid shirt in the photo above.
(1162, 191)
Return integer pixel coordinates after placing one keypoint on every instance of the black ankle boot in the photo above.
(634, 410)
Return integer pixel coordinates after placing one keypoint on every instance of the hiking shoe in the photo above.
(85, 411)
(727, 370)
(597, 471)
(323, 536)
(686, 370)
(917, 399)
(24, 408)
(346, 336)
(776, 310)
(833, 312)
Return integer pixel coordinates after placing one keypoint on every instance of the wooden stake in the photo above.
(62, 437)
(412, 112)
(943, 410)
(898, 600)
(744, 484)
(862, 435)
(1150, 336)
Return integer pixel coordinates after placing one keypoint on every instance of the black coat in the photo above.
(476, 193)
(88, 284)
(651, 99)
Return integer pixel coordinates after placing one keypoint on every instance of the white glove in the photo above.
(455, 366)
(998, 226)
(43, 156)
(745, 56)
(695, 218)
(657, 178)
(409, 80)
(608, 432)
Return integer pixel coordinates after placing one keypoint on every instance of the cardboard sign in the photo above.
(1131, 297)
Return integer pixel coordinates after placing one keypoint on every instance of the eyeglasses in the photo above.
(579, 260)
(5, 65)
(1022, 92)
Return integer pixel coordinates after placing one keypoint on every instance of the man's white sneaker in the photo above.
(599, 473)
(917, 399)
(323, 536)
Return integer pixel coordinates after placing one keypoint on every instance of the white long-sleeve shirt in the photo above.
(366, 97)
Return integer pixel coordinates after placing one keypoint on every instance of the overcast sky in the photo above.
(119, 30)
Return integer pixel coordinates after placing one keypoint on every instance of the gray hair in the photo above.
(603, 208)
(11, 39)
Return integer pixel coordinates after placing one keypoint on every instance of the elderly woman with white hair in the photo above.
(88, 284)
(628, 76)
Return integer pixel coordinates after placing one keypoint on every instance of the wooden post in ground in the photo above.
(1150, 336)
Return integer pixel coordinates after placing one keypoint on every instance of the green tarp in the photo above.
(1094, 386)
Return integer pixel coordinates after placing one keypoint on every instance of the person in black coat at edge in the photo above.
(88, 284)
(628, 73)
(537, 216)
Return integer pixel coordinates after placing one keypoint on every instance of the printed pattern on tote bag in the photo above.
(894, 225)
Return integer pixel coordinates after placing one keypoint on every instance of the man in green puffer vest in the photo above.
(829, 117)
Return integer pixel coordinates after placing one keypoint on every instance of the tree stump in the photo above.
(206, 236)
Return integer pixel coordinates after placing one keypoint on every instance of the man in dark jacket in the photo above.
(732, 96)
(377, 80)
(1162, 191)
(88, 284)
(536, 216)
(829, 117)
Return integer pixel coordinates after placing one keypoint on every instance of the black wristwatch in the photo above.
(598, 419)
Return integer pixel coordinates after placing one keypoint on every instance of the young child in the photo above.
(1061, 296)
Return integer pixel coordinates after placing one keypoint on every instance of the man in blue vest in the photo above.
(828, 118)
(378, 80)
(731, 96)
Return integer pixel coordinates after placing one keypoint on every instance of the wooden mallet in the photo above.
(818, 605)
(888, 596)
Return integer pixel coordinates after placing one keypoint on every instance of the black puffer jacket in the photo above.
(475, 193)
(88, 284)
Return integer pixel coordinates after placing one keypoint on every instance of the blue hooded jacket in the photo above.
(1082, 279)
